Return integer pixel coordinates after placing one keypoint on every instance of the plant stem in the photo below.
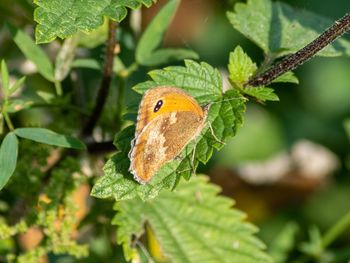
(105, 83)
(120, 100)
(8, 120)
(58, 88)
(338, 229)
(291, 62)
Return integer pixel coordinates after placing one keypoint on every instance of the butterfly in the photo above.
(168, 119)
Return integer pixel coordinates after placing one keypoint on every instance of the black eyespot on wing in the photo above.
(158, 106)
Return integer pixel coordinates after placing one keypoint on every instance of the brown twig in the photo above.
(291, 62)
(105, 82)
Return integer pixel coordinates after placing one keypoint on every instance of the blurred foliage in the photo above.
(46, 200)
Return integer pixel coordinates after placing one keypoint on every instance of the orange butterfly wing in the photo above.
(161, 135)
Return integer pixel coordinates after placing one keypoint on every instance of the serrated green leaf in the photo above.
(94, 38)
(191, 224)
(283, 243)
(280, 29)
(287, 77)
(65, 17)
(153, 34)
(225, 116)
(261, 93)
(49, 137)
(199, 79)
(8, 158)
(33, 52)
(240, 67)
(5, 78)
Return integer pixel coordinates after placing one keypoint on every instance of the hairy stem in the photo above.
(291, 62)
(105, 82)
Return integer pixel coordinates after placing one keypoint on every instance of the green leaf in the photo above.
(146, 53)
(33, 52)
(283, 243)
(287, 77)
(204, 83)
(280, 29)
(64, 18)
(199, 79)
(49, 137)
(5, 78)
(65, 58)
(18, 84)
(240, 67)
(86, 63)
(346, 124)
(191, 224)
(261, 93)
(8, 158)
(314, 246)
(164, 56)
(16, 105)
(155, 31)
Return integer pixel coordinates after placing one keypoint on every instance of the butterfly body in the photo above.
(168, 119)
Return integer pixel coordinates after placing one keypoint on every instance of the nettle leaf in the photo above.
(200, 80)
(204, 83)
(287, 77)
(8, 158)
(191, 224)
(65, 17)
(49, 137)
(240, 67)
(280, 29)
(261, 93)
(146, 53)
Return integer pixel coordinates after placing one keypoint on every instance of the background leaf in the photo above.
(4, 78)
(33, 52)
(146, 53)
(280, 29)
(284, 242)
(192, 224)
(65, 18)
(225, 116)
(240, 67)
(164, 56)
(8, 157)
(18, 84)
(49, 137)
